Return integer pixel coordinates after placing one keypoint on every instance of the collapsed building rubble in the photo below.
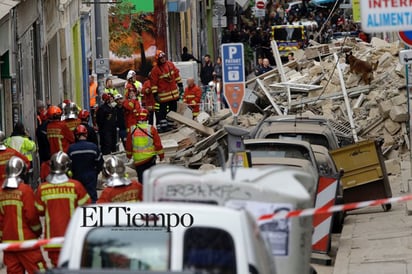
(379, 110)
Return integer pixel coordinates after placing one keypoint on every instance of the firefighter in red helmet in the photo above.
(84, 116)
(58, 133)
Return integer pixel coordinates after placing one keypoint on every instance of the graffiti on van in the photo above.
(205, 191)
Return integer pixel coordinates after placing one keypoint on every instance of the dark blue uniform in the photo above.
(87, 162)
(91, 133)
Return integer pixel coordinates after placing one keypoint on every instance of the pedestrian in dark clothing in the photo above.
(106, 121)
(120, 121)
(206, 73)
(259, 66)
(43, 142)
(266, 66)
(87, 161)
(186, 56)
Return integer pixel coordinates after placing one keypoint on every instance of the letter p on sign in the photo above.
(232, 51)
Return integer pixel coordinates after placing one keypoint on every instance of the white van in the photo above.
(262, 191)
(165, 237)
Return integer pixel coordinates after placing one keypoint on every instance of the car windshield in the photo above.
(314, 139)
(277, 150)
(127, 248)
(209, 250)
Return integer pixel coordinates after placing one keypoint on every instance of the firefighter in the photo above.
(56, 199)
(70, 113)
(192, 96)
(58, 133)
(19, 220)
(87, 161)
(167, 88)
(132, 78)
(148, 101)
(144, 145)
(84, 116)
(106, 121)
(5, 154)
(131, 107)
(119, 187)
(131, 104)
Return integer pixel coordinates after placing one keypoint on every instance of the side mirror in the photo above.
(341, 173)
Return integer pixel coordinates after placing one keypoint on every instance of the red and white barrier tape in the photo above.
(281, 215)
(330, 209)
(30, 244)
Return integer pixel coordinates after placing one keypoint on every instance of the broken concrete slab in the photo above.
(399, 114)
(189, 122)
(391, 126)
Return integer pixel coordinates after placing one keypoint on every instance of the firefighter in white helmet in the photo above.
(119, 187)
(56, 199)
(19, 220)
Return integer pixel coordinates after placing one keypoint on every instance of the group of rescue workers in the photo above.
(71, 157)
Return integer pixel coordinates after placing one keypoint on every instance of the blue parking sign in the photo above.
(233, 70)
(232, 63)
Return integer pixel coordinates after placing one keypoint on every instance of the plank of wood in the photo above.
(189, 122)
(210, 140)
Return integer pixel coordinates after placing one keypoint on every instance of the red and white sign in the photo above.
(260, 4)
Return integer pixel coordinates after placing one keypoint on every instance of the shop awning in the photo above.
(6, 6)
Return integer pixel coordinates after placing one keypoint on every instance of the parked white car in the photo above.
(165, 237)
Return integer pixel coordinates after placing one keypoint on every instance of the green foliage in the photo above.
(248, 55)
(125, 29)
(124, 50)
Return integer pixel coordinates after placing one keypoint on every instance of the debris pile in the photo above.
(379, 110)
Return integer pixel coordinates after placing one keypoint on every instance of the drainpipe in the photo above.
(99, 46)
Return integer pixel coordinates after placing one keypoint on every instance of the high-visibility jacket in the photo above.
(60, 136)
(5, 156)
(192, 97)
(57, 202)
(128, 193)
(112, 91)
(22, 144)
(19, 218)
(72, 123)
(164, 80)
(145, 143)
(93, 93)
